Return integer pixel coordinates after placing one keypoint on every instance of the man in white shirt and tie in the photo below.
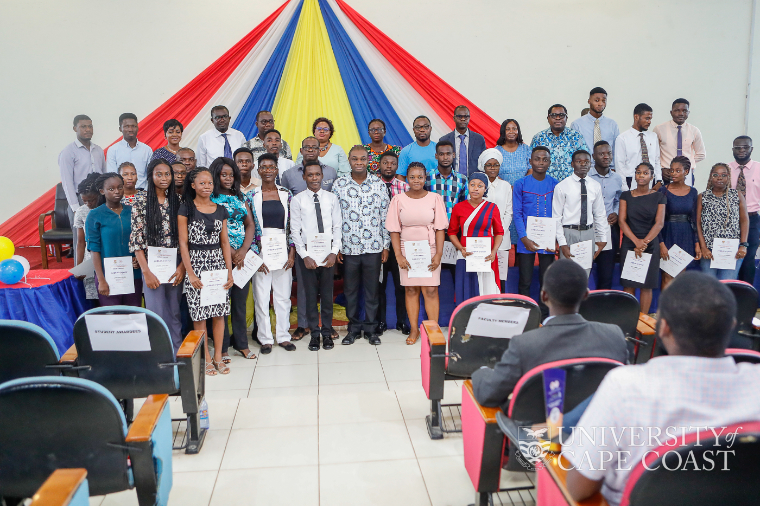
(129, 149)
(638, 145)
(315, 219)
(578, 207)
(221, 141)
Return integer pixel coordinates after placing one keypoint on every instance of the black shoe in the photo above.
(374, 339)
(327, 343)
(381, 328)
(266, 348)
(288, 346)
(314, 343)
(351, 337)
(404, 328)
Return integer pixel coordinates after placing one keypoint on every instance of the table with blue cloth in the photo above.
(50, 298)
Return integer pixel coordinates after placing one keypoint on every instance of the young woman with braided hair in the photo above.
(154, 224)
(90, 196)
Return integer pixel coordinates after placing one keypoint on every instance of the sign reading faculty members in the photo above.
(491, 320)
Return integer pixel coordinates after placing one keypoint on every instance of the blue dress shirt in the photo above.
(139, 156)
(612, 185)
(609, 130)
(531, 197)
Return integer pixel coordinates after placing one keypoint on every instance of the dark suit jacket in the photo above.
(475, 145)
(563, 337)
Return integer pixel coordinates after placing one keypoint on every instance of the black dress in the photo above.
(641, 214)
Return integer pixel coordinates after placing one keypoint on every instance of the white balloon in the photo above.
(23, 262)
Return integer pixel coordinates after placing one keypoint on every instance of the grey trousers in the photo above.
(573, 236)
(164, 301)
(70, 212)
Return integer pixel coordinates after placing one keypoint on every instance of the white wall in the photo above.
(513, 58)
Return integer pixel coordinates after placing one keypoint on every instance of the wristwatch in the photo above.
(745, 244)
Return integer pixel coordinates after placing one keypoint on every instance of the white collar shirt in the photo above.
(303, 219)
(641, 404)
(566, 207)
(500, 193)
(211, 145)
(628, 154)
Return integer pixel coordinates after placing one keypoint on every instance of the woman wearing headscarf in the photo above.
(500, 193)
(476, 217)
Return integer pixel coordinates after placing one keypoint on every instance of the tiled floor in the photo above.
(330, 428)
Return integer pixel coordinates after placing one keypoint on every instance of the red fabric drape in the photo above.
(441, 97)
(183, 105)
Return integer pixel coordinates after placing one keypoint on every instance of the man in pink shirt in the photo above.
(745, 177)
(677, 137)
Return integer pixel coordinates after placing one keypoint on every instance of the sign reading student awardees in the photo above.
(491, 320)
(118, 332)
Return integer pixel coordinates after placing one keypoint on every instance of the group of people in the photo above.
(381, 210)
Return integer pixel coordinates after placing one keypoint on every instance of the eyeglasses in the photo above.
(322, 129)
(492, 166)
(421, 127)
(462, 117)
(376, 130)
(266, 121)
(715, 175)
(558, 115)
(310, 148)
(222, 116)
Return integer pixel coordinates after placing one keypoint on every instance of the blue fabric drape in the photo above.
(54, 307)
(368, 101)
(264, 91)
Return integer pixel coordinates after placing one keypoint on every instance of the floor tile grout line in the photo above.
(219, 469)
(416, 458)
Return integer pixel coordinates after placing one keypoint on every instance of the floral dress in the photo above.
(373, 157)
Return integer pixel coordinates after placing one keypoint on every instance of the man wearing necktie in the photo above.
(679, 138)
(578, 207)
(468, 145)
(745, 177)
(221, 141)
(315, 215)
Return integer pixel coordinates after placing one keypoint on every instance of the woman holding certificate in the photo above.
(721, 214)
(417, 223)
(206, 254)
(500, 193)
(107, 231)
(154, 241)
(240, 230)
(641, 216)
(476, 232)
(271, 207)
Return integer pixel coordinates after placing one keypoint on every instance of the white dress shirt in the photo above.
(566, 207)
(628, 154)
(500, 193)
(303, 219)
(211, 145)
(670, 393)
(139, 156)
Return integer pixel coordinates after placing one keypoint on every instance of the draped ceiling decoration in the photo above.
(309, 58)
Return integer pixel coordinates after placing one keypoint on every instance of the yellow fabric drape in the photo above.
(311, 85)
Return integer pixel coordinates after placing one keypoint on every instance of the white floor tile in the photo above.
(402, 370)
(208, 459)
(447, 481)
(285, 376)
(389, 482)
(280, 356)
(364, 442)
(393, 337)
(350, 372)
(295, 485)
(346, 388)
(271, 447)
(221, 412)
(237, 379)
(414, 404)
(398, 351)
(123, 498)
(424, 447)
(240, 362)
(406, 386)
(192, 489)
(358, 408)
(226, 394)
(360, 351)
(283, 391)
(96, 500)
(279, 411)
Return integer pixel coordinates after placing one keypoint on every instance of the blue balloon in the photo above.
(11, 271)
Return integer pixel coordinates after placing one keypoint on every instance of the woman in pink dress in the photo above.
(418, 215)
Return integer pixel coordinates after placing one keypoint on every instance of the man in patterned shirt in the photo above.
(561, 141)
(265, 123)
(450, 185)
(364, 246)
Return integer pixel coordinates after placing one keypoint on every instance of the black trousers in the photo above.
(239, 337)
(318, 283)
(526, 275)
(390, 268)
(605, 262)
(362, 270)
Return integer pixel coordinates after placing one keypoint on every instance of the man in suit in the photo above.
(565, 335)
(468, 144)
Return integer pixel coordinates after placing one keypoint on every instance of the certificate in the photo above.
(724, 253)
(251, 264)
(449, 253)
(677, 262)
(635, 269)
(480, 247)
(120, 275)
(583, 253)
(213, 291)
(542, 231)
(318, 246)
(417, 253)
(162, 262)
(274, 251)
(503, 257)
(608, 238)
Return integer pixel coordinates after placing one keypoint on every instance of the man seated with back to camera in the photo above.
(695, 386)
(565, 335)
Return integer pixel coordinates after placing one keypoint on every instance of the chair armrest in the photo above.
(559, 477)
(70, 357)
(434, 333)
(147, 418)
(191, 343)
(646, 325)
(41, 221)
(488, 414)
(60, 487)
